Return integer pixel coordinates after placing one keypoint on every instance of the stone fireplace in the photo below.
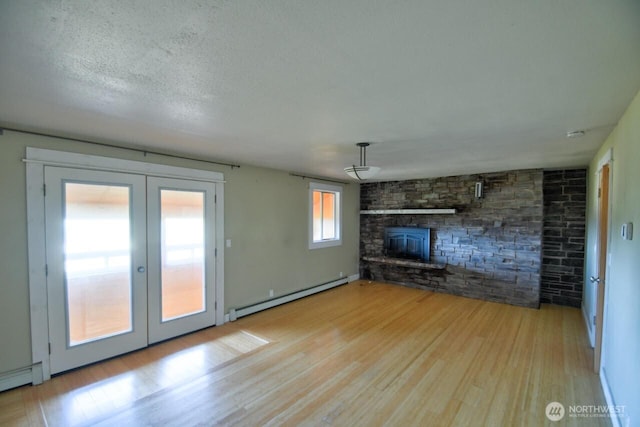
(490, 248)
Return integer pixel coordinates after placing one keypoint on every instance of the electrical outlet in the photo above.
(270, 292)
(341, 274)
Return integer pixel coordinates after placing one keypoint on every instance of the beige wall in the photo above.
(621, 346)
(266, 214)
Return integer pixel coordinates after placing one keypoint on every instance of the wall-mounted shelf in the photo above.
(408, 212)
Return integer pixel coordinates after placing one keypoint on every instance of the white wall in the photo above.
(621, 345)
(266, 214)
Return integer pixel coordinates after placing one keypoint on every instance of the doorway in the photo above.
(599, 278)
(130, 256)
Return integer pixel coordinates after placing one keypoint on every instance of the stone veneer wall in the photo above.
(491, 246)
(565, 198)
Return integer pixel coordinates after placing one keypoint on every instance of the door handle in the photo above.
(141, 269)
(595, 279)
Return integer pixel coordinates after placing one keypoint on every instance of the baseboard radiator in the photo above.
(236, 313)
(20, 377)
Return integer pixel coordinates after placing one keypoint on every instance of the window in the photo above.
(325, 219)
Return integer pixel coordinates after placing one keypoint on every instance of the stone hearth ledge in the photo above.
(404, 263)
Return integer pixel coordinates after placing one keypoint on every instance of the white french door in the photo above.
(180, 234)
(130, 262)
(96, 261)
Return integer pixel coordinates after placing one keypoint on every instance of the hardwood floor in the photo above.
(360, 354)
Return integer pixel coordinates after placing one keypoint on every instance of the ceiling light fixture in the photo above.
(363, 171)
(575, 134)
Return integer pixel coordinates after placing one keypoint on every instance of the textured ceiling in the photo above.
(439, 87)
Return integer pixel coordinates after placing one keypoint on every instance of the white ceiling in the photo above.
(439, 87)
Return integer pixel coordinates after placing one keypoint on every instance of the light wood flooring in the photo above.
(361, 354)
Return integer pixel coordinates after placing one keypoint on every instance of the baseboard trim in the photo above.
(590, 333)
(17, 378)
(236, 313)
(608, 397)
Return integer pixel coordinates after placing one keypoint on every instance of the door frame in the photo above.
(36, 159)
(601, 290)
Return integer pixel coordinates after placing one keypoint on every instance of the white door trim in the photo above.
(111, 164)
(36, 159)
(607, 157)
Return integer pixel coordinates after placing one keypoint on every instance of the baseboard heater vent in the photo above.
(20, 377)
(236, 313)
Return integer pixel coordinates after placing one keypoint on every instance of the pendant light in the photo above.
(363, 171)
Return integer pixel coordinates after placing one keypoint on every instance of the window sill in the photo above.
(325, 244)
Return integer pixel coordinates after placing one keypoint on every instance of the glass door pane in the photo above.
(182, 253)
(97, 235)
(96, 259)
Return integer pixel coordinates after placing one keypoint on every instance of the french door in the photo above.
(129, 260)
(181, 294)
